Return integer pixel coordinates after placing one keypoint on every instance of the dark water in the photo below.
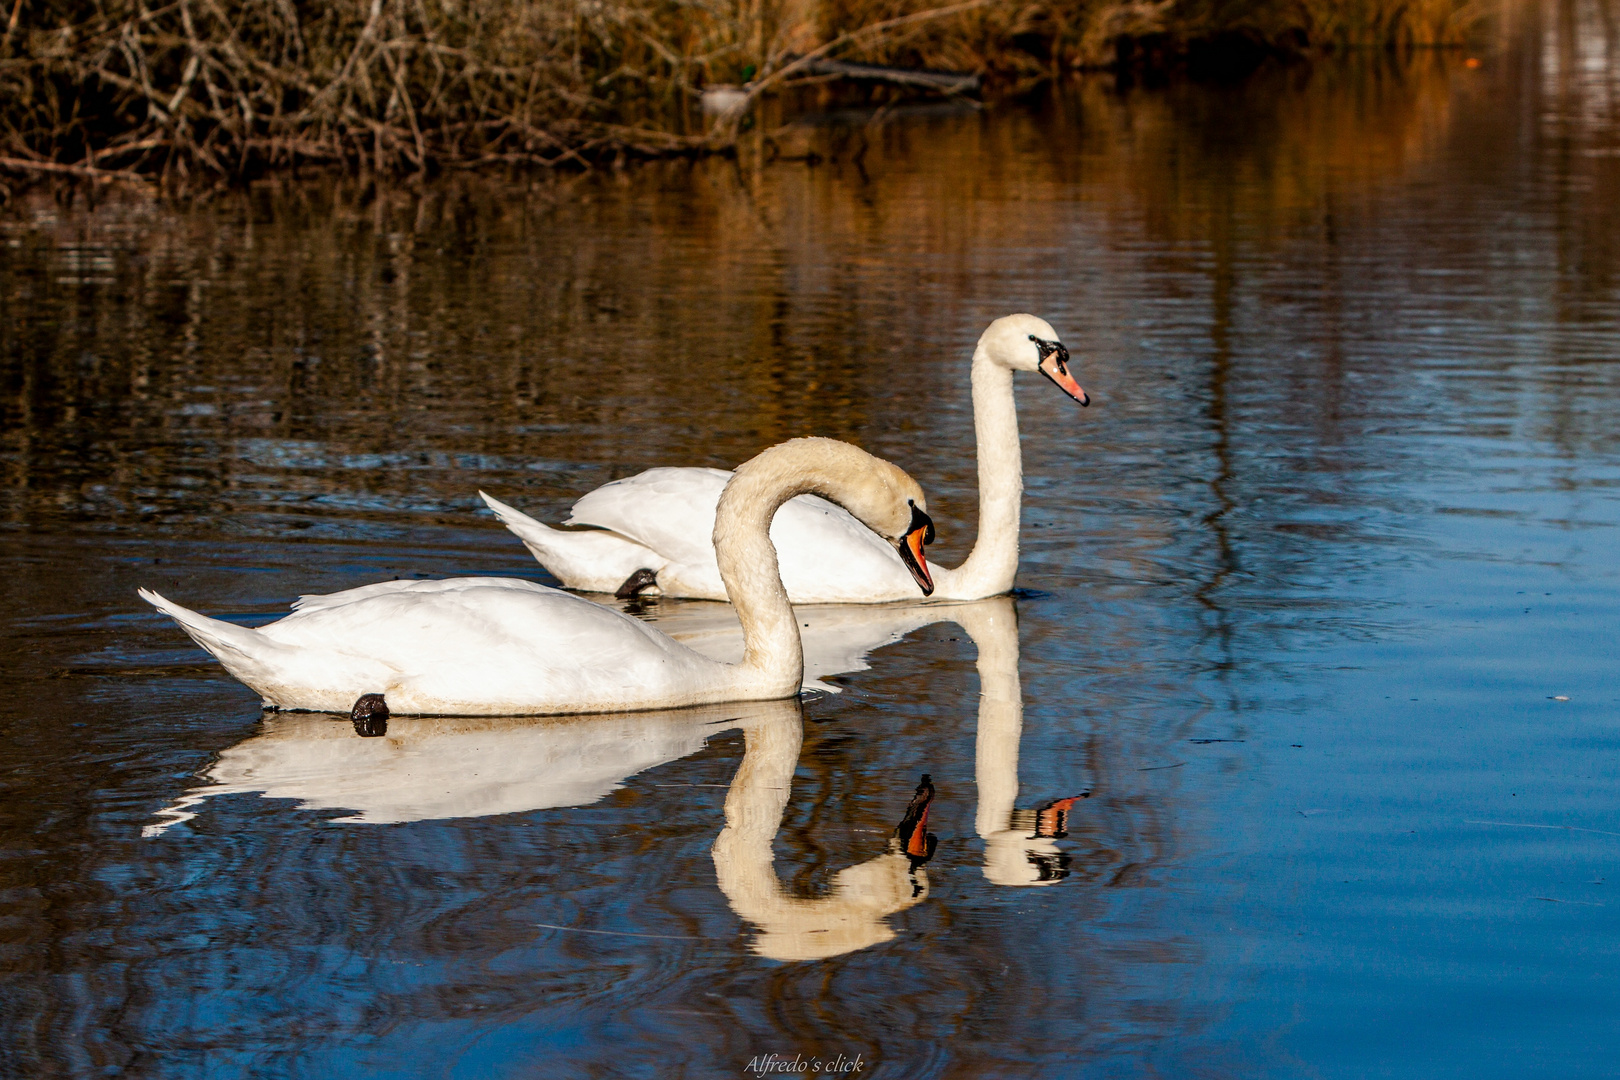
(1319, 600)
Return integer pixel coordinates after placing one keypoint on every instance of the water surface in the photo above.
(1318, 601)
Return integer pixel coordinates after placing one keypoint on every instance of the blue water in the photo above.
(1318, 600)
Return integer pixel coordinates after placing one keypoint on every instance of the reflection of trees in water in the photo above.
(303, 351)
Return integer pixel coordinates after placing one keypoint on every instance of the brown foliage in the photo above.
(225, 89)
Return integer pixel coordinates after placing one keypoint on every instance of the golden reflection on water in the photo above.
(297, 348)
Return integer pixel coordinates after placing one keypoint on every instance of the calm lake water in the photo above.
(1319, 601)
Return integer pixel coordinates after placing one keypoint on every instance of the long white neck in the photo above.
(772, 652)
(993, 564)
(773, 657)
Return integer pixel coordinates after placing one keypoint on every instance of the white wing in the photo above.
(670, 511)
(826, 555)
(595, 560)
(462, 646)
(318, 601)
(499, 642)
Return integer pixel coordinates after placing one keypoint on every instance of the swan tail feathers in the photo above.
(246, 654)
(215, 635)
(536, 537)
(548, 546)
(595, 560)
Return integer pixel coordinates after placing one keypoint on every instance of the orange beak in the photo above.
(1055, 366)
(911, 549)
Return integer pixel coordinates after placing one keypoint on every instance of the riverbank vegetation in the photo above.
(211, 91)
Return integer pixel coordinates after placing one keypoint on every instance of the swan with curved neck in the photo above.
(500, 646)
(651, 531)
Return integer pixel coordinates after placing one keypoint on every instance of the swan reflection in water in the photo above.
(427, 768)
(1019, 844)
(853, 913)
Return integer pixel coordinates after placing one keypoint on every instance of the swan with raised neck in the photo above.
(1012, 343)
(501, 646)
(651, 530)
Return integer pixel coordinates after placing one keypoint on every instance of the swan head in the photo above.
(882, 495)
(1025, 343)
(893, 505)
(919, 531)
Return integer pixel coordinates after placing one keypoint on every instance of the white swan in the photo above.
(499, 646)
(652, 530)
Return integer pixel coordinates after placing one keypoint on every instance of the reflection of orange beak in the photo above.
(917, 843)
(1055, 366)
(913, 828)
(1052, 820)
(911, 549)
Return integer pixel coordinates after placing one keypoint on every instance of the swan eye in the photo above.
(920, 520)
(1047, 348)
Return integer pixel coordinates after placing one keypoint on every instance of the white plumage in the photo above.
(661, 520)
(462, 646)
(500, 646)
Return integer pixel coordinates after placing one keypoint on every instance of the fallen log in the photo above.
(82, 171)
(946, 82)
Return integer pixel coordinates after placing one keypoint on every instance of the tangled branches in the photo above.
(224, 89)
(210, 91)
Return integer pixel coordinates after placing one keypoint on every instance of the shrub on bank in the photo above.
(226, 89)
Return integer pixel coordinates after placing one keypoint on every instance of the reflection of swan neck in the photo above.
(1012, 855)
(759, 792)
(994, 629)
(851, 916)
(993, 564)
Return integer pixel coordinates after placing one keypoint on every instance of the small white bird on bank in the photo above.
(500, 646)
(652, 531)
